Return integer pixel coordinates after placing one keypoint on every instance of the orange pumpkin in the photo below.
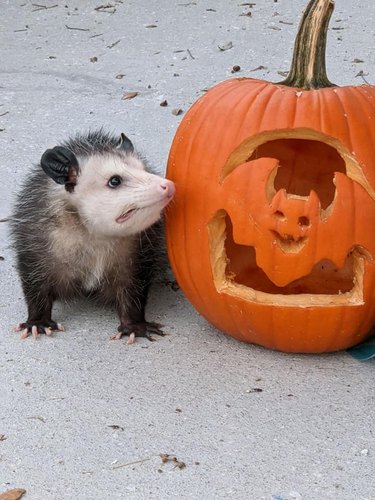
(272, 232)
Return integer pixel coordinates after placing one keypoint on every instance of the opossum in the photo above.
(87, 223)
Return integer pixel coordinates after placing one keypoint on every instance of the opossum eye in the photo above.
(114, 181)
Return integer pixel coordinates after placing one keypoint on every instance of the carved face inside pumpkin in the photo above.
(298, 232)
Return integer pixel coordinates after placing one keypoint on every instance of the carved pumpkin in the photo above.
(272, 233)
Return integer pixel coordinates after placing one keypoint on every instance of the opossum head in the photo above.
(110, 189)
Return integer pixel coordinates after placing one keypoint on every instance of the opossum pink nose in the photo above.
(167, 188)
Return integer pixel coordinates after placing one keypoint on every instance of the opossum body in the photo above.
(90, 227)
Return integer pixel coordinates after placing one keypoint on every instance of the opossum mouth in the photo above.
(126, 216)
(158, 204)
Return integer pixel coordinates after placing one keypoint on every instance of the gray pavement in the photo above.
(85, 418)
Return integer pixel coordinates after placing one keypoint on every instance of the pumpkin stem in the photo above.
(308, 68)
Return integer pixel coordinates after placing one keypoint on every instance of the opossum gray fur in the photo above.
(87, 222)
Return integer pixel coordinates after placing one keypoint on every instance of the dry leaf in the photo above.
(179, 463)
(177, 111)
(164, 103)
(120, 76)
(93, 59)
(165, 458)
(116, 427)
(12, 494)
(129, 95)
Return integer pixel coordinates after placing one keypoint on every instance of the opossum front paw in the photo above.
(144, 329)
(35, 328)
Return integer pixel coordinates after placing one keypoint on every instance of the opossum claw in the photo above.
(34, 332)
(116, 336)
(24, 334)
(131, 339)
(143, 329)
(35, 328)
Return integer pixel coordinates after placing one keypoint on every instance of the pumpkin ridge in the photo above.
(356, 135)
(348, 139)
(262, 114)
(247, 103)
(181, 130)
(364, 102)
(201, 119)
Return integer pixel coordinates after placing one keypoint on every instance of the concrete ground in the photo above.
(85, 418)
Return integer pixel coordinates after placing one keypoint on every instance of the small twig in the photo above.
(77, 29)
(190, 54)
(7, 219)
(362, 75)
(130, 463)
(107, 11)
(258, 68)
(113, 44)
(106, 6)
(364, 79)
(38, 418)
(93, 36)
(42, 7)
(3, 114)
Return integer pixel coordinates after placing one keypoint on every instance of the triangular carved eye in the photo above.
(305, 165)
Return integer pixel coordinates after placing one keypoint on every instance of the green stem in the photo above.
(308, 68)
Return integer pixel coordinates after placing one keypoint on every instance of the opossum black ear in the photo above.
(125, 144)
(61, 165)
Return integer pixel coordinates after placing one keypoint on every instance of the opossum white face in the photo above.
(112, 192)
(116, 196)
